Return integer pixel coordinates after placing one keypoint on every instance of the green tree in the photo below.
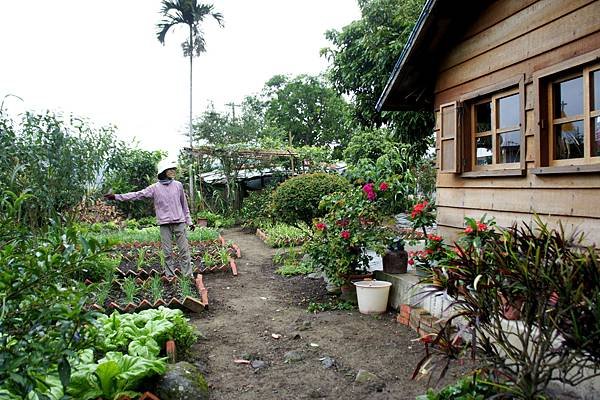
(363, 55)
(130, 170)
(306, 110)
(190, 13)
(56, 159)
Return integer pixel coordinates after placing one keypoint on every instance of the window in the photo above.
(495, 131)
(481, 134)
(574, 117)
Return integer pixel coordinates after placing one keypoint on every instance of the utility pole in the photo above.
(232, 105)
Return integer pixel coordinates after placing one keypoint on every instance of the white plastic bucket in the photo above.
(372, 296)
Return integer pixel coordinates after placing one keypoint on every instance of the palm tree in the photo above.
(190, 13)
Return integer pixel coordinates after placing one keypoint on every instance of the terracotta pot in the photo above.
(511, 310)
(202, 222)
(395, 262)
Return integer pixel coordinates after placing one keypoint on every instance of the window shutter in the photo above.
(448, 138)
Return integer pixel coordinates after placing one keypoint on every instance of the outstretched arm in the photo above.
(146, 193)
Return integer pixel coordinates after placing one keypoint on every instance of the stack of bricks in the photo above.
(420, 320)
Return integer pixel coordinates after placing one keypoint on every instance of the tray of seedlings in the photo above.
(132, 294)
(146, 259)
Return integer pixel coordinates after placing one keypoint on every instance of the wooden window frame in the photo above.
(583, 66)
(442, 137)
(492, 93)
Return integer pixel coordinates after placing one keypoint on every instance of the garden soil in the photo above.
(262, 318)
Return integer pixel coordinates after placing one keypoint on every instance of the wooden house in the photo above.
(515, 86)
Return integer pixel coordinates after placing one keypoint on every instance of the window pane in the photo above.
(510, 147)
(596, 137)
(508, 112)
(448, 121)
(568, 98)
(483, 117)
(483, 150)
(596, 90)
(568, 140)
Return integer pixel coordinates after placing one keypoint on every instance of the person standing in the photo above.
(172, 215)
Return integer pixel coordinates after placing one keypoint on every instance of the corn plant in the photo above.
(102, 291)
(162, 258)
(140, 258)
(223, 256)
(208, 260)
(130, 289)
(185, 287)
(156, 288)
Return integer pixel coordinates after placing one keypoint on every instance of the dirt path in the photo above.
(246, 310)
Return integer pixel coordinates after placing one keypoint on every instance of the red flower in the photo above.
(435, 238)
(383, 186)
(468, 230)
(321, 226)
(481, 227)
(345, 234)
(411, 261)
(342, 222)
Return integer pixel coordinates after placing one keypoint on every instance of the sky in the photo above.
(101, 59)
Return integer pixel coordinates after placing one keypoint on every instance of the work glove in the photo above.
(192, 227)
(109, 196)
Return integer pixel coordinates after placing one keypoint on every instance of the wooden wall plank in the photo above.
(567, 29)
(559, 202)
(566, 181)
(511, 27)
(527, 67)
(495, 13)
(451, 222)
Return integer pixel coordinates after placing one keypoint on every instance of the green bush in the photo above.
(298, 198)
(256, 208)
(43, 314)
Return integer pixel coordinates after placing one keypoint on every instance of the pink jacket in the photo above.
(170, 203)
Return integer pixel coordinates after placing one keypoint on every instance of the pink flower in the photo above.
(368, 189)
(481, 227)
(468, 230)
(321, 226)
(383, 186)
(345, 234)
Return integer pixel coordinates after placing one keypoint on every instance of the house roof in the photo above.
(440, 25)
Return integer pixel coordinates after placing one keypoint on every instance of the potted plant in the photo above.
(352, 224)
(395, 259)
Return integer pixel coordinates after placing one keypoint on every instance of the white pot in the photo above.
(372, 296)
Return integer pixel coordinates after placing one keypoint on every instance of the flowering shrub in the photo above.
(352, 223)
(428, 258)
(422, 216)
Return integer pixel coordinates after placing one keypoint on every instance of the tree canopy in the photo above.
(363, 55)
(306, 109)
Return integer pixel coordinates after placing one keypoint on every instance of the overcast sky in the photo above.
(101, 60)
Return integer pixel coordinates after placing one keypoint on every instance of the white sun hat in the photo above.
(165, 165)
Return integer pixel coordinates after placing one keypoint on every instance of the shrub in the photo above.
(541, 276)
(298, 198)
(256, 208)
(43, 312)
